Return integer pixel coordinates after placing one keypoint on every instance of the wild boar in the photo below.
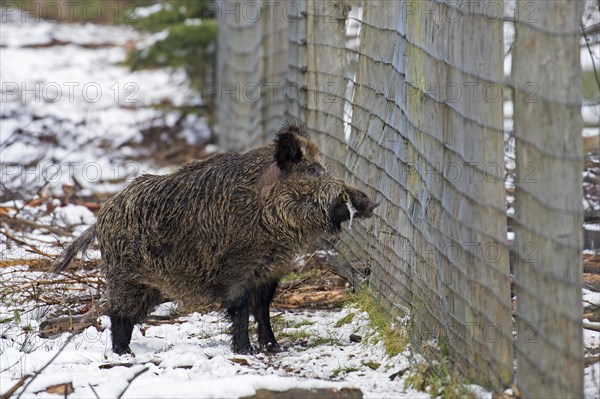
(221, 230)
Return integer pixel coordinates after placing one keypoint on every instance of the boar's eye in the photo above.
(313, 171)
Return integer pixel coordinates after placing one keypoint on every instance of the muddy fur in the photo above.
(222, 230)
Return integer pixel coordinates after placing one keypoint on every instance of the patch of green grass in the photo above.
(436, 377)
(345, 320)
(345, 370)
(295, 335)
(297, 276)
(302, 323)
(318, 341)
(371, 364)
(382, 321)
(438, 380)
(278, 322)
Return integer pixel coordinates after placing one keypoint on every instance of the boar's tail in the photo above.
(80, 244)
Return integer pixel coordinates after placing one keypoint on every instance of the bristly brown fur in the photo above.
(223, 230)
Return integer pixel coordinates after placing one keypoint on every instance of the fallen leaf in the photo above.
(36, 202)
(240, 361)
(61, 389)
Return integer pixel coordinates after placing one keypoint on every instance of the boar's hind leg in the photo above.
(261, 301)
(239, 313)
(128, 304)
(121, 328)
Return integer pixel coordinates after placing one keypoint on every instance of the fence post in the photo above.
(548, 208)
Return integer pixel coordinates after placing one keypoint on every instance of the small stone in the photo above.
(355, 338)
(397, 374)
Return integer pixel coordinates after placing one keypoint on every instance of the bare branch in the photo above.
(136, 375)
(12, 390)
(62, 348)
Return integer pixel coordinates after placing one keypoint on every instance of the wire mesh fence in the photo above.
(246, 69)
(468, 135)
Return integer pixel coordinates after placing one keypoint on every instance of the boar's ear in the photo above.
(294, 126)
(287, 151)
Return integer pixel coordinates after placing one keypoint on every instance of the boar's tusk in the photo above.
(352, 211)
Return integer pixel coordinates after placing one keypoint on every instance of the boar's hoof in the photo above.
(123, 350)
(270, 347)
(243, 349)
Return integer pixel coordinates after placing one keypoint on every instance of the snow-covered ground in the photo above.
(70, 111)
(192, 358)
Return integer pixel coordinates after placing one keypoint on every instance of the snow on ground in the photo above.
(591, 339)
(192, 358)
(70, 111)
(591, 297)
(592, 381)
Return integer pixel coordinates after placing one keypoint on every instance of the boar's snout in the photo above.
(362, 203)
(351, 204)
(368, 210)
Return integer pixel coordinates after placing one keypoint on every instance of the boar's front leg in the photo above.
(261, 300)
(238, 314)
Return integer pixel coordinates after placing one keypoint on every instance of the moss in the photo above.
(438, 380)
(443, 346)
